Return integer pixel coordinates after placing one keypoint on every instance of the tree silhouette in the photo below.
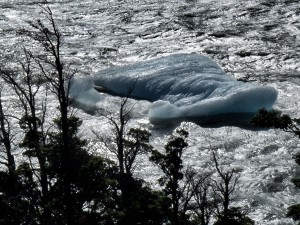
(223, 191)
(171, 165)
(137, 203)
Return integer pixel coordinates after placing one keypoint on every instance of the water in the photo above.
(257, 40)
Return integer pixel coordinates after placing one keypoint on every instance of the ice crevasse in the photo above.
(185, 85)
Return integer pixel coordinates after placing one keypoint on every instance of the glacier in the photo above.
(185, 86)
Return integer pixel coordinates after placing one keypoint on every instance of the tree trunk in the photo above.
(11, 165)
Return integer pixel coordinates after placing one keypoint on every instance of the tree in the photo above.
(136, 142)
(128, 144)
(14, 205)
(171, 165)
(5, 137)
(92, 180)
(138, 204)
(268, 119)
(287, 124)
(47, 34)
(234, 216)
(294, 212)
(223, 191)
(199, 197)
(62, 156)
(26, 84)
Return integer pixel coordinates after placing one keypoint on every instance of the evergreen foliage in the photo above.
(171, 165)
(269, 119)
(234, 216)
(60, 182)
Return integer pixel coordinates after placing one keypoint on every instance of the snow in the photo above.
(186, 85)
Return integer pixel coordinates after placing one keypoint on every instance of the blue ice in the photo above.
(186, 85)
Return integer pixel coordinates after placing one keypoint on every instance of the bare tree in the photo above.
(127, 143)
(224, 189)
(200, 202)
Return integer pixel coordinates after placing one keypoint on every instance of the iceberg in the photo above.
(82, 93)
(185, 86)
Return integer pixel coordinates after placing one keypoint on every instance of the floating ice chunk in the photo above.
(186, 85)
(83, 94)
(164, 109)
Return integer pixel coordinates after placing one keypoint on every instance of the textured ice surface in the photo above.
(83, 94)
(186, 85)
(256, 38)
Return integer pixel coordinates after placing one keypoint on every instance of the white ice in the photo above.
(186, 85)
(83, 94)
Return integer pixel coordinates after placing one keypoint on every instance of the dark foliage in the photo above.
(141, 205)
(60, 182)
(268, 119)
(171, 165)
(234, 217)
(294, 212)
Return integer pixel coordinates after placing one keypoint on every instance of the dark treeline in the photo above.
(59, 181)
